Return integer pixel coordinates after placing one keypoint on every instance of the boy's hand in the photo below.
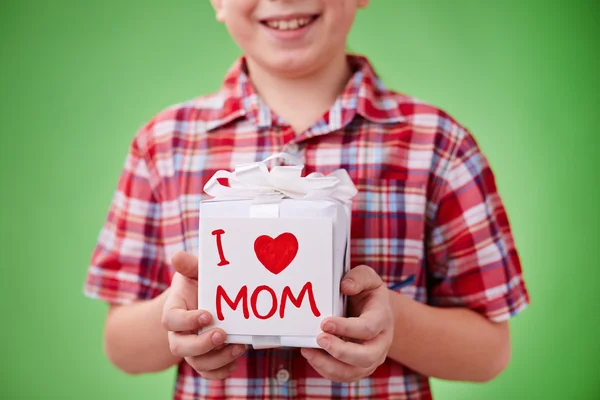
(367, 333)
(181, 317)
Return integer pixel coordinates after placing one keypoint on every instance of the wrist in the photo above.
(400, 304)
(158, 304)
(403, 309)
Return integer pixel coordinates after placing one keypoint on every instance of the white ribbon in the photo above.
(255, 181)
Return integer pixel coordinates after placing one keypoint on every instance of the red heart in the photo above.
(276, 254)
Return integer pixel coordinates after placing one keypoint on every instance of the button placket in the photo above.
(292, 149)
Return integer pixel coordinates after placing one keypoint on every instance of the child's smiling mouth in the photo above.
(290, 23)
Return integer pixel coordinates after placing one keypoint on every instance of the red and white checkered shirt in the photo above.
(427, 218)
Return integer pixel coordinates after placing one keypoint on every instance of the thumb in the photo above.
(360, 279)
(186, 264)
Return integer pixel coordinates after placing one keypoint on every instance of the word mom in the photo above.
(286, 294)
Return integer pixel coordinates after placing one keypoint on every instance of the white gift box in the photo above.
(273, 248)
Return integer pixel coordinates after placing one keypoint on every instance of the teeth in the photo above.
(291, 24)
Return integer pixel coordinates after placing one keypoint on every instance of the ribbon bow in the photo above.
(255, 181)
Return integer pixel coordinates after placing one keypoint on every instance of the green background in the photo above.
(78, 78)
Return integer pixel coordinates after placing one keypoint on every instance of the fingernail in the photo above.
(217, 338)
(237, 351)
(348, 283)
(204, 319)
(307, 353)
(323, 341)
(329, 327)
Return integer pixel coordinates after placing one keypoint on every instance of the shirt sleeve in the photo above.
(472, 258)
(128, 262)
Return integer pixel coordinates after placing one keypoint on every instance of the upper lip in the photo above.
(289, 17)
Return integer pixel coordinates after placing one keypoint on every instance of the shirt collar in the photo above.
(364, 95)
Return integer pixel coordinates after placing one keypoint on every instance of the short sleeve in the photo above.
(128, 261)
(472, 257)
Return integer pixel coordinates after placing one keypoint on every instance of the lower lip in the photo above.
(291, 34)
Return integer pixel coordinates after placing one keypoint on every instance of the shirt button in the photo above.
(283, 375)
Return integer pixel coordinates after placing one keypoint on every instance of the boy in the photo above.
(436, 272)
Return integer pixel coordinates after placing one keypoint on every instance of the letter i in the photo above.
(218, 233)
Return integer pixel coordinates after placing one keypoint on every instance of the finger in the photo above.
(186, 264)
(178, 320)
(217, 359)
(174, 296)
(364, 355)
(183, 293)
(191, 345)
(330, 368)
(365, 327)
(360, 279)
(221, 373)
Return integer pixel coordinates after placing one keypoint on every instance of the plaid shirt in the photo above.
(427, 218)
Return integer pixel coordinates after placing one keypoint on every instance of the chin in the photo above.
(291, 64)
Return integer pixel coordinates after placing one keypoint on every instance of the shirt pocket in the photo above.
(388, 223)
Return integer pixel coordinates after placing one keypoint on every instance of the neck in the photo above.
(301, 100)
